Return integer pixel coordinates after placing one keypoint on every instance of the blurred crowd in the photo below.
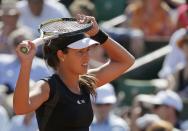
(138, 25)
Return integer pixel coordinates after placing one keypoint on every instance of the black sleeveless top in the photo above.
(72, 112)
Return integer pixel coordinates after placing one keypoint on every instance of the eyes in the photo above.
(83, 51)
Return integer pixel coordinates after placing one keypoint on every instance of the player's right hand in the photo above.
(26, 57)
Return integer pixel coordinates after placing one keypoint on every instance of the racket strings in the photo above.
(63, 27)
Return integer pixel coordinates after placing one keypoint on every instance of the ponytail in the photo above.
(89, 83)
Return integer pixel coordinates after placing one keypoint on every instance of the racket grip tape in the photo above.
(24, 50)
(37, 42)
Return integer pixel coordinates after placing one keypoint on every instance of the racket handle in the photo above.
(37, 42)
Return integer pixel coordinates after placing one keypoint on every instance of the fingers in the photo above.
(31, 45)
(26, 58)
(25, 47)
(80, 18)
(85, 19)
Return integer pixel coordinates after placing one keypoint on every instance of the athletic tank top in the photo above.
(72, 112)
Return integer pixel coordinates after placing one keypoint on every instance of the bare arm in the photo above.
(23, 100)
(120, 61)
(120, 58)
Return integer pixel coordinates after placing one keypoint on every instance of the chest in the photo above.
(74, 109)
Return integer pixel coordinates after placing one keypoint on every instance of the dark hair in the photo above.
(50, 49)
(88, 81)
(49, 53)
(50, 56)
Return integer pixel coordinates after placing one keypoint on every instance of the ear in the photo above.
(60, 55)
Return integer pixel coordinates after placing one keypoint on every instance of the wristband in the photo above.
(100, 37)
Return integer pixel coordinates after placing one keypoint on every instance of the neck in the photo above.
(70, 80)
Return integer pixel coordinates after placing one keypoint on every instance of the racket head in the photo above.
(63, 27)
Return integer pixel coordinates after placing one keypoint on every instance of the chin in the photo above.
(82, 71)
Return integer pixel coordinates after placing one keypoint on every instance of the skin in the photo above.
(25, 101)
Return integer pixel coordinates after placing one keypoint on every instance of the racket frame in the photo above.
(46, 36)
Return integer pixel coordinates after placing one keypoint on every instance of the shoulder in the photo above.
(48, 83)
(47, 87)
(43, 84)
(41, 88)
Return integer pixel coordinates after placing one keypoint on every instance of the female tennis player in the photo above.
(69, 57)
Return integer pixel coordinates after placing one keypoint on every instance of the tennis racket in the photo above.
(59, 27)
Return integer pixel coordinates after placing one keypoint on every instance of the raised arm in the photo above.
(120, 61)
(120, 58)
(25, 101)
